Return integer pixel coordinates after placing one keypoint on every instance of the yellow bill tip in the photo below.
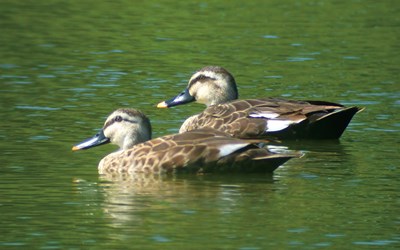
(162, 105)
(75, 148)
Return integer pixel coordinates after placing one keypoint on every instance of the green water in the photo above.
(65, 65)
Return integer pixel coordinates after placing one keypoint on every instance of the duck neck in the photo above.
(130, 142)
(219, 97)
(135, 138)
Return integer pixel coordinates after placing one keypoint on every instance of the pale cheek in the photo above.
(203, 97)
(201, 100)
(115, 138)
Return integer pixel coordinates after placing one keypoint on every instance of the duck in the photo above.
(197, 151)
(273, 118)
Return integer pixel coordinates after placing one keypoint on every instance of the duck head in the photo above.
(210, 85)
(123, 127)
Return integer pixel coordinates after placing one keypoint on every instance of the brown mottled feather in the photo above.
(234, 117)
(215, 87)
(200, 151)
(194, 151)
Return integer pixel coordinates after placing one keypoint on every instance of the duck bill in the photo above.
(182, 98)
(97, 140)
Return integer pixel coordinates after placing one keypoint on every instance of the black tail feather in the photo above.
(331, 126)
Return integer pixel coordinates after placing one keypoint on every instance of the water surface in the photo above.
(66, 65)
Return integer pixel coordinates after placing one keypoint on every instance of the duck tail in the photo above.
(332, 125)
(260, 160)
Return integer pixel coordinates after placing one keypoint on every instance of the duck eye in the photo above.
(118, 118)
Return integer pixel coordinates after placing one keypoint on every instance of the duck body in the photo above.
(197, 151)
(274, 118)
(258, 118)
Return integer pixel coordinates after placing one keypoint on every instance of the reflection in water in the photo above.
(124, 195)
(127, 197)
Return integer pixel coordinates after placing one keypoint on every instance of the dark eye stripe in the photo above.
(109, 123)
(201, 78)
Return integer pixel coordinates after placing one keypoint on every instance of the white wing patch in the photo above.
(278, 149)
(230, 148)
(267, 115)
(274, 124)
(278, 125)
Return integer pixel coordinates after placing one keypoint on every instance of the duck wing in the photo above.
(274, 117)
(200, 151)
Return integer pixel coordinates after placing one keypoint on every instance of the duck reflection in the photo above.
(134, 199)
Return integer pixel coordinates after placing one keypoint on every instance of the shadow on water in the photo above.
(322, 158)
(321, 146)
(318, 150)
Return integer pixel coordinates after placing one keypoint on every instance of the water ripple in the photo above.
(270, 37)
(8, 66)
(37, 108)
(299, 59)
(375, 242)
(159, 238)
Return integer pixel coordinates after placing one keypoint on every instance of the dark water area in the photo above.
(64, 66)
